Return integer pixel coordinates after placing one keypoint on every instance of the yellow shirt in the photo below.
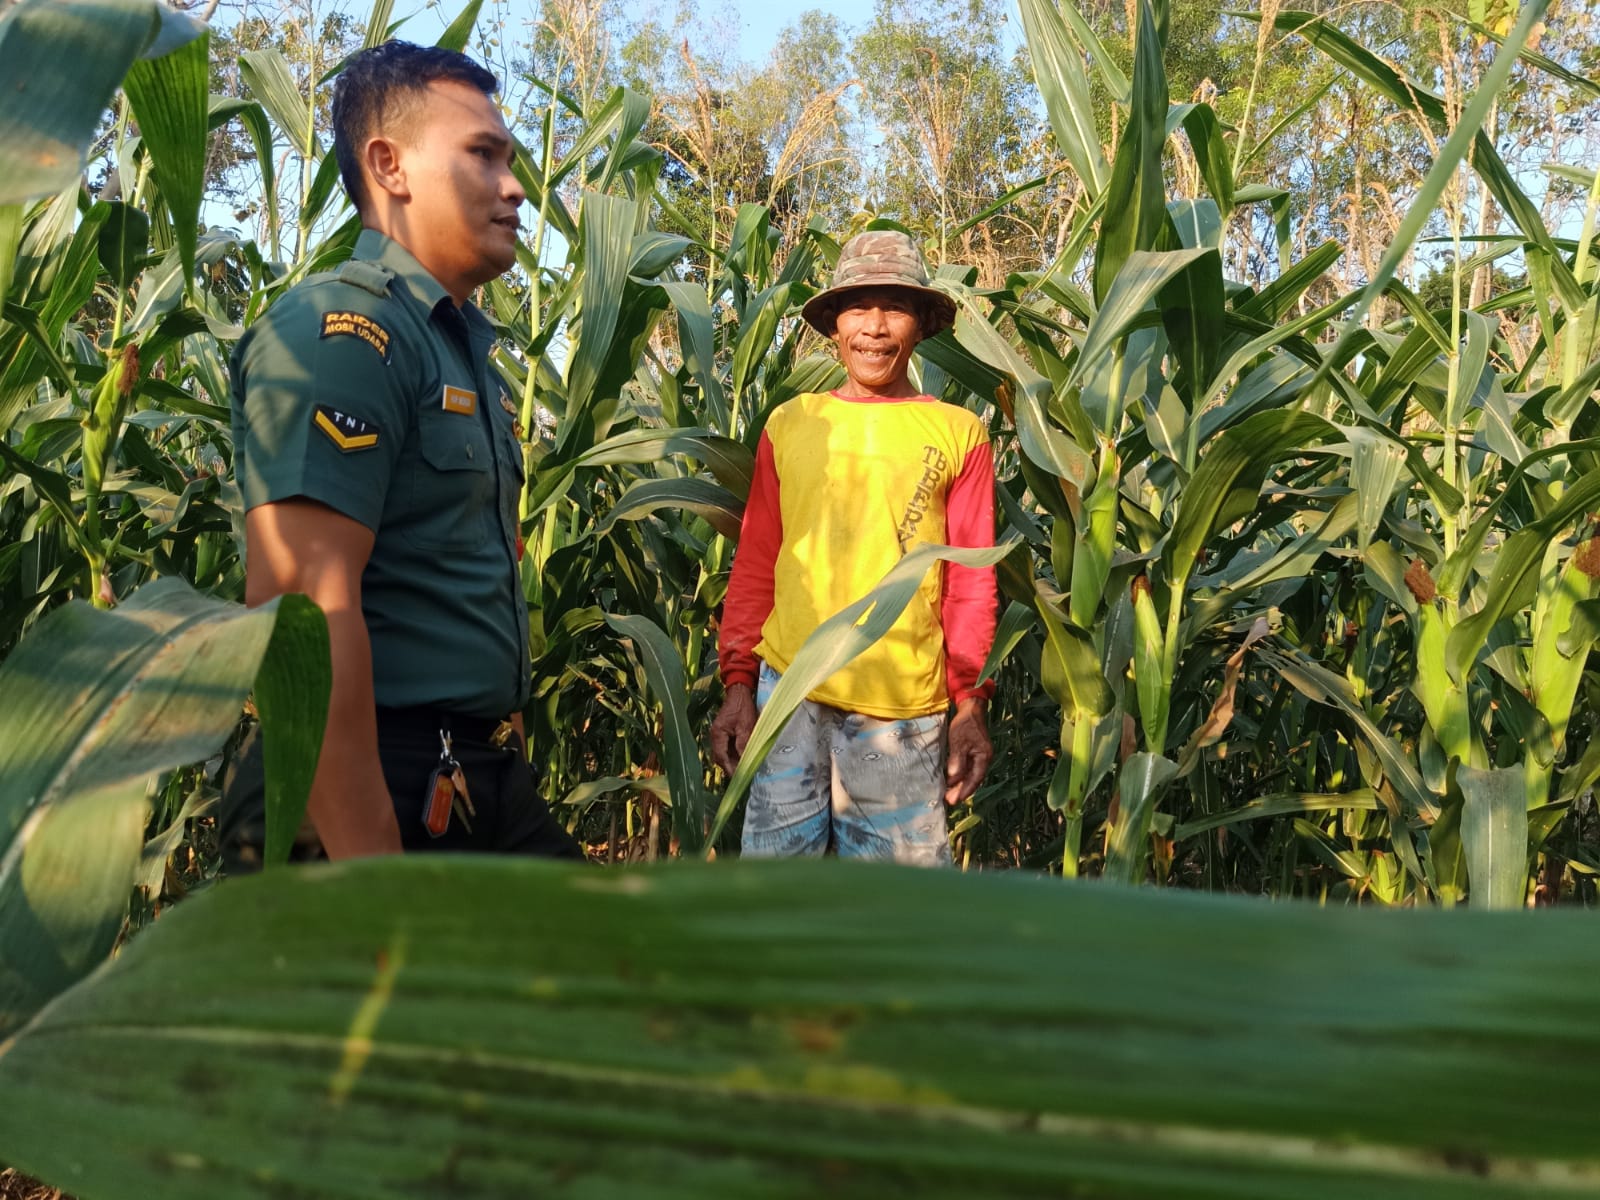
(859, 482)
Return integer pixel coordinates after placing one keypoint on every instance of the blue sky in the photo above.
(758, 22)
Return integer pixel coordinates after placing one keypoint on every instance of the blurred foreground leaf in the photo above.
(481, 1028)
(93, 703)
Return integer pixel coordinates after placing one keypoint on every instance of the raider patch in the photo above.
(357, 325)
(344, 431)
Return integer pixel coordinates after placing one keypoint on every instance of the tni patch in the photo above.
(358, 325)
(344, 431)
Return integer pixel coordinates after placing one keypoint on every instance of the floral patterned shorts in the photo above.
(871, 788)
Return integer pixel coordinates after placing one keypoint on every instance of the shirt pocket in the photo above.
(452, 487)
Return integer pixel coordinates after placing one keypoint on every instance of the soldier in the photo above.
(380, 460)
(845, 483)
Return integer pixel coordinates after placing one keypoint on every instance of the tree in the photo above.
(956, 121)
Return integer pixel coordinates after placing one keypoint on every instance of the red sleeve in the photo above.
(967, 613)
(748, 603)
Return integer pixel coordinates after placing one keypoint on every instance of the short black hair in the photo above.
(375, 82)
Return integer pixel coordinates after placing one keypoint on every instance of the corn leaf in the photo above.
(785, 1030)
(1494, 835)
(1070, 668)
(1413, 97)
(1281, 804)
(170, 97)
(124, 241)
(1375, 464)
(1028, 396)
(266, 73)
(685, 772)
(1143, 779)
(1515, 576)
(1228, 481)
(377, 23)
(10, 240)
(1058, 70)
(62, 61)
(291, 695)
(1278, 298)
(459, 32)
(92, 704)
(1321, 685)
(608, 224)
(1142, 277)
(320, 192)
(1136, 195)
(714, 503)
(1211, 154)
(698, 336)
(1192, 307)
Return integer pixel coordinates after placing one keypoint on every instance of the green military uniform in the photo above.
(369, 390)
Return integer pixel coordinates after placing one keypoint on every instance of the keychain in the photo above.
(447, 793)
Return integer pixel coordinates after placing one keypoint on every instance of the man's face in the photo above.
(462, 224)
(876, 331)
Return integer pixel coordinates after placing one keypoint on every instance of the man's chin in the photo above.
(496, 264)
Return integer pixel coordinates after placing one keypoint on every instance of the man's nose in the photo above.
(874, 320)
(511, 189)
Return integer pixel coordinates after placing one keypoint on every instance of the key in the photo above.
(458, 777)
(447, 793)
(440, 802)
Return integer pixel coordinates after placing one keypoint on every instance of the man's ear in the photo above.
(382, 160)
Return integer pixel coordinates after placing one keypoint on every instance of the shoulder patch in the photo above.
(344, 431)
(368, 276)
(357, 325)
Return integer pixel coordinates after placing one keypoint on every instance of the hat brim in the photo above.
(942, 309)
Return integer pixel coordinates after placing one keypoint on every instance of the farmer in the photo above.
(846, 482)
(380, 462)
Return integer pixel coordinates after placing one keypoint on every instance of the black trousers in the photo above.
(508, 818)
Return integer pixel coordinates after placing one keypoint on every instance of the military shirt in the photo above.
(369, 390)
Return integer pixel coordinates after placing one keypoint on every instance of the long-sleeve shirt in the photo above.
(843, 488)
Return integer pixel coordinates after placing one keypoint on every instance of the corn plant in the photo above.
(1203, 455)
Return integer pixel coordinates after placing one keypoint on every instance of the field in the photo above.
(1297, 441)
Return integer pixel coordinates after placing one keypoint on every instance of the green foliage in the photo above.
(91, 707)
(1182, 456)
(796, 1029)
(1300, 596)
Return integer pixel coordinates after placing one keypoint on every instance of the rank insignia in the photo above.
(459, 400)
(344, 431)
(354, 324)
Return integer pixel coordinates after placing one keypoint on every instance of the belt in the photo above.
(428, 722)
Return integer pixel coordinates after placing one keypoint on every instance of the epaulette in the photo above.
(368, 276)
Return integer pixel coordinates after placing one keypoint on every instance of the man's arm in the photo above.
(745, 610)
(968, 619)
(300, 545)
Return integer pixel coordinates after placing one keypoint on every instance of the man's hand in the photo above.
(302, 546)
(969, 752)
(730, 732)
